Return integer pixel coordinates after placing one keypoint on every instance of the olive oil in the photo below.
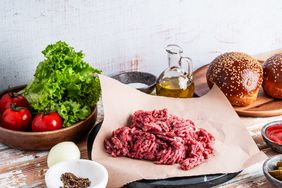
(177, 79)
(179, 87)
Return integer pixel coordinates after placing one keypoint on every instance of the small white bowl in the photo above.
(95, 172)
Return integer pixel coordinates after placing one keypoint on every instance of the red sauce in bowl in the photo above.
(274, 133)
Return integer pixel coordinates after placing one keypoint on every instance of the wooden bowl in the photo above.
(45, 140)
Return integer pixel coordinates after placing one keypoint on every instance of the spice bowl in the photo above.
(95, 172)
(143, 81)
(269, 165)
(264, 132)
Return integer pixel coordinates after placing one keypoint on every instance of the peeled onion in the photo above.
(61, 152)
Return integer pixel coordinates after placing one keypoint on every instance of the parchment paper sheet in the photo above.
(234, 147)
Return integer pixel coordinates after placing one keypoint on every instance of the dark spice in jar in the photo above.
(72, 181)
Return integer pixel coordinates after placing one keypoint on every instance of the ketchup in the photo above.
(274, 133)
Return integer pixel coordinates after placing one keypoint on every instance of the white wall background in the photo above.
(120, 35)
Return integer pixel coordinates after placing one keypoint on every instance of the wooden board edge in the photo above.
(251, 113)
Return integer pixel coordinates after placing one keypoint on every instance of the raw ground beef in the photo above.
(163, 138)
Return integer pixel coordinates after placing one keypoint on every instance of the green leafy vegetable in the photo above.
(64, 83)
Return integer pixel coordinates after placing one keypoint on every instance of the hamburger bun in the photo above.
(238, 75)
(272, 72)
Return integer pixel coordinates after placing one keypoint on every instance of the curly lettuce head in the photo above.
(64, 83)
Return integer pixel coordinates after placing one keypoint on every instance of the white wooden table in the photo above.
(27, 168)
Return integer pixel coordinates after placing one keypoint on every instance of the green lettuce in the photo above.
(64, 83)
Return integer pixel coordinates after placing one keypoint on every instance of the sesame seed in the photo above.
(236, 70)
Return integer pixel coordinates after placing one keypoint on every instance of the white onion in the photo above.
(61, 152)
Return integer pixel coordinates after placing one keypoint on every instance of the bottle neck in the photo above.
(173, 60)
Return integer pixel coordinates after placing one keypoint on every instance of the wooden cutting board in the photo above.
(264, 106)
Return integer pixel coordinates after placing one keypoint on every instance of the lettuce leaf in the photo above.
(64, 83)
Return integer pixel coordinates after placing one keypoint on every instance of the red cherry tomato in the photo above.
(46, 122)
(16, 118)
(12, 98)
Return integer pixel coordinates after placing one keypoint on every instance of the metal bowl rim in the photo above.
(266, 164)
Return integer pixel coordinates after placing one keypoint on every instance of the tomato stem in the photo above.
(13, 94)
(15, 108)
(45, 112)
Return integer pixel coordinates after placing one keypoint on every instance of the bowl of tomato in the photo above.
(22, 130)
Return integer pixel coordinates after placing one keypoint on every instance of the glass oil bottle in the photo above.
(176, 80)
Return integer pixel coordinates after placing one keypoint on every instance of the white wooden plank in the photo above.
(113, 34)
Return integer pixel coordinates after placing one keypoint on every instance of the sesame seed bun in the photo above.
(272, 72)
(238, 75)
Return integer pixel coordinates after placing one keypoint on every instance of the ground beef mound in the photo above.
(163, 138)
